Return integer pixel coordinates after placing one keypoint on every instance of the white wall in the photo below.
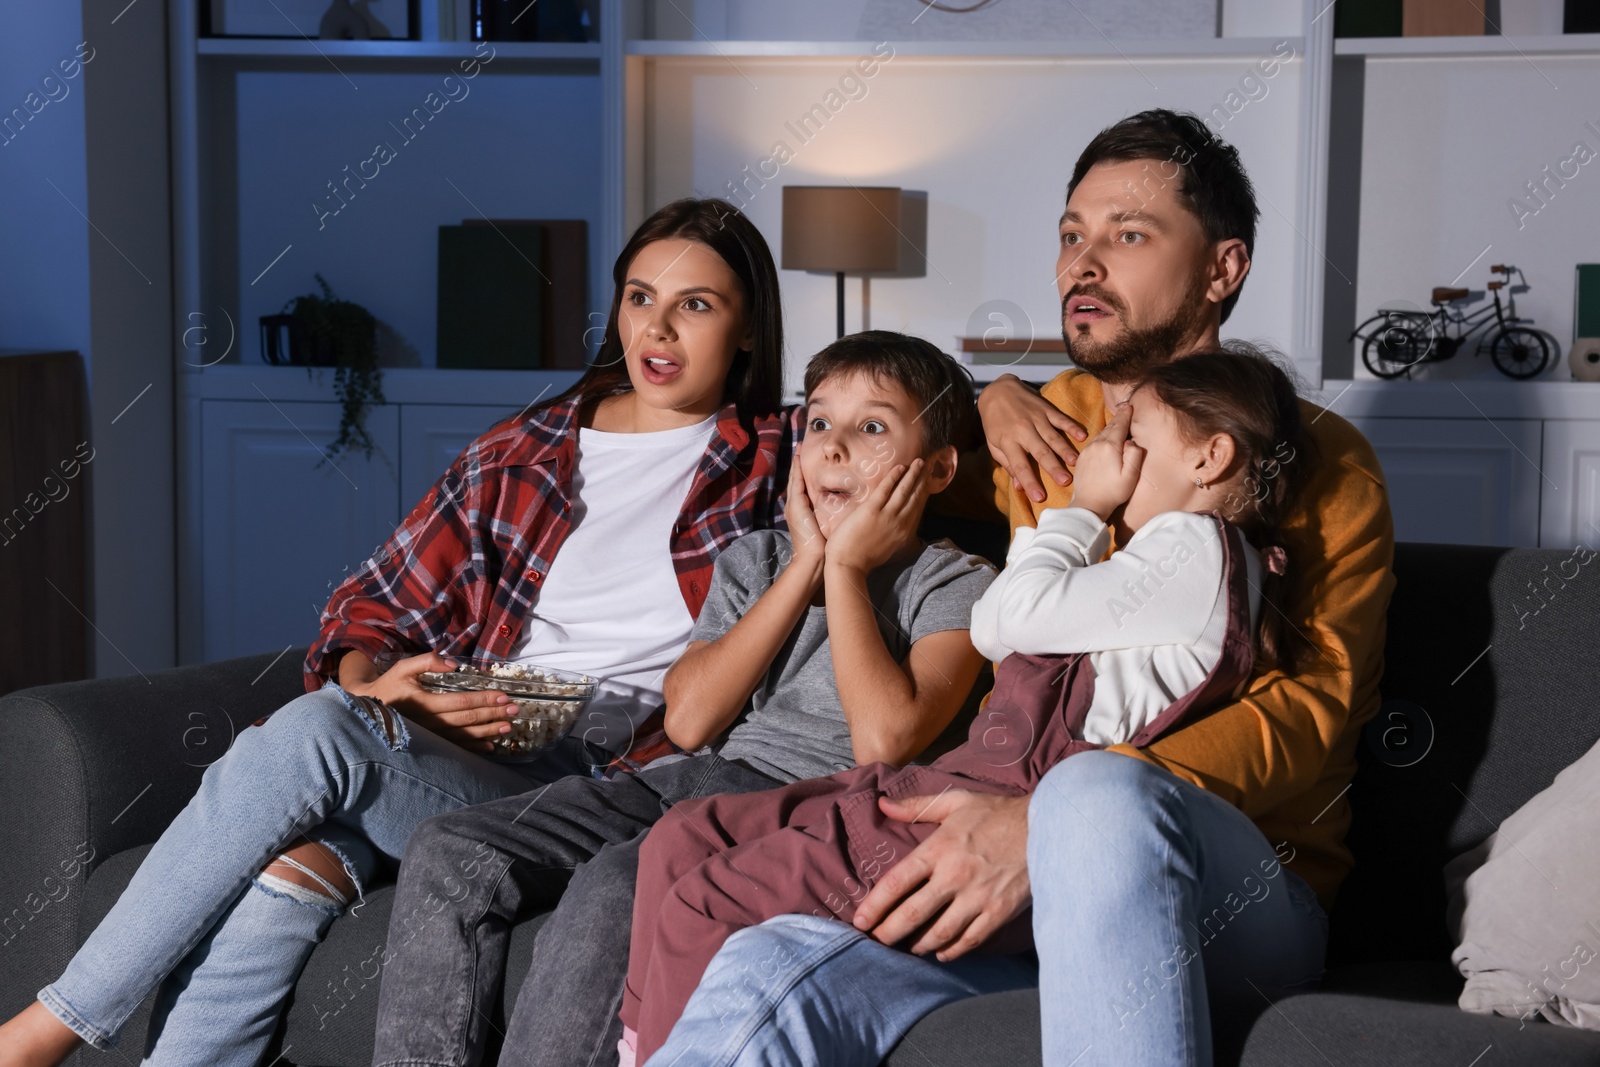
(991, 142)
(1447, 143)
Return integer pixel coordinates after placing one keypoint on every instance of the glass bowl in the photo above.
(548, 702)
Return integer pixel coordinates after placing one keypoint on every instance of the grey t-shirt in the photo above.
(794, 726)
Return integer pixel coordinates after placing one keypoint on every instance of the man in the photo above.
(1168, 884)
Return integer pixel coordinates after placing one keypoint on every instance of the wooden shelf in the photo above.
(401, 385)
(1084, 48)
(1575, 44)
(301, 48)
(1475, 398)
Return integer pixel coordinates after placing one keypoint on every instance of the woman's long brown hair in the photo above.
(1240, 392)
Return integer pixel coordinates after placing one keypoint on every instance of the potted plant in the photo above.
(328, 332)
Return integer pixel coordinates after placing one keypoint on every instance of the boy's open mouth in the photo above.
(833, 498)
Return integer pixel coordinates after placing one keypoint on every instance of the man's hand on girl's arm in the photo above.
(962, 884)
(1026, 434)
(466, 719)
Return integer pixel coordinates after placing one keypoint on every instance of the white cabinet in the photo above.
(1460, 481)
(432, 436)
(279, 532)
(1570, 504)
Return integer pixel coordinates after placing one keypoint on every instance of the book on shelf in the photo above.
(491, 298)
(563, 284)
(514, 293)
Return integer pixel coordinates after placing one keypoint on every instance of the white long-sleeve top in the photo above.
(1151, 617)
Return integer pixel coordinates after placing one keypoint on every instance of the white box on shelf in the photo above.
(385, 19)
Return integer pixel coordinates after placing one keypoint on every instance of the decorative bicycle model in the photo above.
(1400, 340)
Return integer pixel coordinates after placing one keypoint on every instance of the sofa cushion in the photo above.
(996, 1028)
(1488, 692)
(1402, 1013)
(1364, 1015)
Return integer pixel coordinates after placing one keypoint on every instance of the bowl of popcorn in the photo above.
(548, 702)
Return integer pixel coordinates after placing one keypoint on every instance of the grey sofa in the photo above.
(1488, 693)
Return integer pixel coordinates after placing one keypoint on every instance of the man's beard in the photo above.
(1126, 357)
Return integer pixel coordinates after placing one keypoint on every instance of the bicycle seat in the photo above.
(1492, 286)
(1443, 295)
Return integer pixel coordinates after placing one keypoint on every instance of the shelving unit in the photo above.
(1205, 48)
(983, 131)
(1421, 47)
(284, 48)
(263, 128)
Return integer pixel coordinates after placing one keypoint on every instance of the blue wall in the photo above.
(44, 241)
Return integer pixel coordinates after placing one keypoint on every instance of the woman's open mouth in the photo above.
(658, 368)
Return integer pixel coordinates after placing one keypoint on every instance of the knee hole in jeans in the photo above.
(311, 872)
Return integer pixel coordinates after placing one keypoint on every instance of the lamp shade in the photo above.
(840, 228)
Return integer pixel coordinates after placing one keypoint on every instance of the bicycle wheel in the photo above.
(1393, 350)
(1519, 352)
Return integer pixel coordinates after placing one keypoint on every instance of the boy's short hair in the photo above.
(941, 387)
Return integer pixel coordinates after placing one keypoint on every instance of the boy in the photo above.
(844, 641)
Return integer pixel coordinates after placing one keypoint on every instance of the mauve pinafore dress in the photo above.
(714, 866)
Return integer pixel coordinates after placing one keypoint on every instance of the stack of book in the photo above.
(513, 294)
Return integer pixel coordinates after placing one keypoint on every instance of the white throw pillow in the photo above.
(1525, 907)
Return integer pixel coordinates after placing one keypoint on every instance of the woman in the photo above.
(580, 535)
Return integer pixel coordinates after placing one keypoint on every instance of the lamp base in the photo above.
(839, 299)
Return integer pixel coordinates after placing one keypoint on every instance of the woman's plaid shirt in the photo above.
(461, 572)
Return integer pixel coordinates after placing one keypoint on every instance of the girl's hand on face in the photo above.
(467, 719)
(1108, 467)
(884, 522)
(810, 546)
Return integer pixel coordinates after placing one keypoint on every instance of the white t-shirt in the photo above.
(1152, 617)
(610, 605)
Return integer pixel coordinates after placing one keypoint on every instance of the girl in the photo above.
(580, 535)
(1093, 654)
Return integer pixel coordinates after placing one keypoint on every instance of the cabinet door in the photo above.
(1460, 481)
(433, 435)
(279, 532)
(1570, 514)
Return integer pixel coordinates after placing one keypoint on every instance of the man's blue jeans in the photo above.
(1155, 904)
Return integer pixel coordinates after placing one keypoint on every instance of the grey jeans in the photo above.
(467, 876)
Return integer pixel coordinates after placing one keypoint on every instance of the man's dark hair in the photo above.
(941, 387)
(1215, 186)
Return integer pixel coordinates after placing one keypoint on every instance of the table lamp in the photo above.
(840, 229)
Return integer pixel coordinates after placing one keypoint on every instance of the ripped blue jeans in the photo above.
(226, 943)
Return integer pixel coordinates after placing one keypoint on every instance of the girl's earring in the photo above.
(1198, 484)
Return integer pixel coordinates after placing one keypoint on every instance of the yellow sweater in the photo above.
(1285, 752)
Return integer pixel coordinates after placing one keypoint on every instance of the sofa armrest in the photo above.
(91, 768)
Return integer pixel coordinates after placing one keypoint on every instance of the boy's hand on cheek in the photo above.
(805, 533)
(883, 523)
